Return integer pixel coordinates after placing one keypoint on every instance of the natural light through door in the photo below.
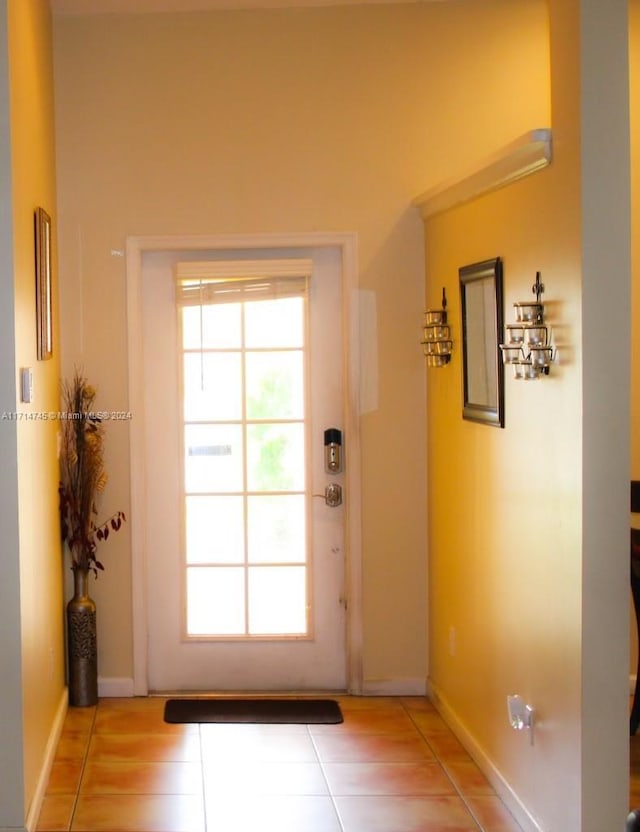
(236, 406)
(245, 446)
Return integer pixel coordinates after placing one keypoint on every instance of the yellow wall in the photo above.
(634, 81)
(327, 119)
(634, 92)
(519, 518)
(33, 181)
(11, 754)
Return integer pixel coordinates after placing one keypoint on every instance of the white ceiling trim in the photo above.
(522, 157)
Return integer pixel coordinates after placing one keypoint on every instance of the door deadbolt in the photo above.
(333, 451)
(333, 495)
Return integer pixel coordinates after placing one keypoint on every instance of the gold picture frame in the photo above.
(44, 316)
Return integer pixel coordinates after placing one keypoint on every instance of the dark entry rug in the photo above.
(274, 711)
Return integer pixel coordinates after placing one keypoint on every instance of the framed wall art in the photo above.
(44, 316)
(482, 370)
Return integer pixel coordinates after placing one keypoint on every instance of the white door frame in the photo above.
(347, 243)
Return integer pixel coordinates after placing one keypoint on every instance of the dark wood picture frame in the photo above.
(44, 316)
(482, 328)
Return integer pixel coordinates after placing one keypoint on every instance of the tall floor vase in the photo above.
(82, 643)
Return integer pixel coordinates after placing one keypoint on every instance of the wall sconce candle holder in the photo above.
(528, 348)
(437, 343)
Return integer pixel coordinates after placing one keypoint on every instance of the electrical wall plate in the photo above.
(26, 385)
(521, 715)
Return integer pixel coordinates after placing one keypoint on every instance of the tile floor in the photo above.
(392, 766)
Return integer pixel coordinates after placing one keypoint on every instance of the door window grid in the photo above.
(213, 579)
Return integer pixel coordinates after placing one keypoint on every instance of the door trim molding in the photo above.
(136, 247)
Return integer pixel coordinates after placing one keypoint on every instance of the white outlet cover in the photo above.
(26, 385)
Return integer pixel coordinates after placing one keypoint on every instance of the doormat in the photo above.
(274, 711)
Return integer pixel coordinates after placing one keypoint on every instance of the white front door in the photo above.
(245, 563)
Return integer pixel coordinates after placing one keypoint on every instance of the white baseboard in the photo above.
(49, 754)
(484, 763)
(394, 687)
(116, 686)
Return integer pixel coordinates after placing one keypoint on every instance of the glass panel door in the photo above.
(245, 472)
(244, 566)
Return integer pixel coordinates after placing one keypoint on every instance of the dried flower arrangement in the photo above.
(82, 475)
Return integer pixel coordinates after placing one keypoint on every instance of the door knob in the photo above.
(333, 495)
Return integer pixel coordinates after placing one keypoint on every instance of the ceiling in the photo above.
(150, 6)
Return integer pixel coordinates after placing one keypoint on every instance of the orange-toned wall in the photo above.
(634, 81)
(502, 586)
(514, 566)
(40, 591)
(11, 756)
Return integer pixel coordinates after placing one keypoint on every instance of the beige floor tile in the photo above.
(141, 778)
(369, 703)
(79, 720)
(392, 766)
(410, 779)
(417, 703)
(250, 778)
(368, 721)
(136, 720)
(138, 813)
(72, 746)
(145, 747)
(430, 723)
(277, 747)
(448, 748)
(468, 778)
(492, 815)
(251, 730)
(273, 814)
(404, 814)
(64, 777)
(141, 704)
(391, 748)
(55, 814)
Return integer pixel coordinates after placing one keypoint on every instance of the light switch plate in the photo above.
(26, 384)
